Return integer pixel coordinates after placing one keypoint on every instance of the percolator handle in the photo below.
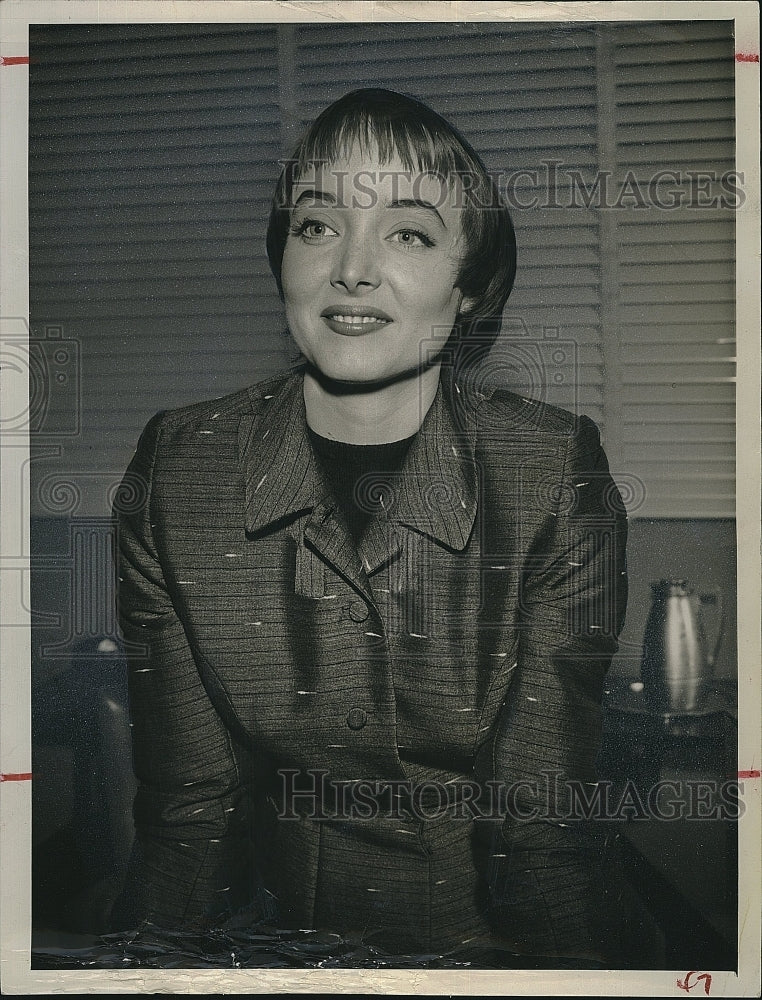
(715, 597)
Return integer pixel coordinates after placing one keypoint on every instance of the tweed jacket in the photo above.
(463, 641)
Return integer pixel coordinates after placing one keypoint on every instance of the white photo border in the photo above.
(16, 977)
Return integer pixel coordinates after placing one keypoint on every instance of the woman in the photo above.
(375, 601)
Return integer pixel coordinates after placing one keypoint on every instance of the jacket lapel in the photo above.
(437, 493)
(283, 481)
(281, 476)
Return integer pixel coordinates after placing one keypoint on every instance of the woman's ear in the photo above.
(466, 305)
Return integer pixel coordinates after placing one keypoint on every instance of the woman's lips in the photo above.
(354, 321)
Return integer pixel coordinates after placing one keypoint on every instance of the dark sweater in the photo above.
(360, 475)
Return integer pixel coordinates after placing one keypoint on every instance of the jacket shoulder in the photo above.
(498, 407)
(222, 409)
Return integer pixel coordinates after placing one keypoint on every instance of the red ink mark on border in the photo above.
(687, 985)
(14, 60)
(24, 776)
(747, 57)
(749, 774)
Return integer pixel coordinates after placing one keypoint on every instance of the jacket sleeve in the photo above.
(189, 808)
(546, 860)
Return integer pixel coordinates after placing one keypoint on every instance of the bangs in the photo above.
(414, 134)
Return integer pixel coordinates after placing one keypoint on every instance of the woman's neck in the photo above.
(369, 414)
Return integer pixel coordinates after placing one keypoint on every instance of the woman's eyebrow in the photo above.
(417, 203)
(315, 194)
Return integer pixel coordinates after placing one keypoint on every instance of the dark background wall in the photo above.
(703, 552)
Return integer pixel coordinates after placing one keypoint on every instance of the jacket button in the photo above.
(358, 611)
(356, 718)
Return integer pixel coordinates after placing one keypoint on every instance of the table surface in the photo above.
(697, 858)
(626, 694)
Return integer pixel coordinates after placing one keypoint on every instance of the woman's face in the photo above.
(369, 268)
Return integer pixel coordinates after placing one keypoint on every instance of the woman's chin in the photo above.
(363, 378)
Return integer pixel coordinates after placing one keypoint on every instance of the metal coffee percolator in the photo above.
(677, 666)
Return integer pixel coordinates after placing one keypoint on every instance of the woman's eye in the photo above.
(313, 229)
(411, 238)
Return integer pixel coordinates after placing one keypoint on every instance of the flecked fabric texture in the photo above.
(465, 639)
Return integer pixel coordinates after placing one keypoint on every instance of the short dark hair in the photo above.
(397, 124)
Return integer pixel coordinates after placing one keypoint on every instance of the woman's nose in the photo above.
(356, 266)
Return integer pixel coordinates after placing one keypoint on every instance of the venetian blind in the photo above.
(673, 267)
(153, 153)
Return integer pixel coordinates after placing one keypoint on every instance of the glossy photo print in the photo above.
(380, 454)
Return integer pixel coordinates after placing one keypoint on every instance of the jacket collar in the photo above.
(282, 476)
(283, 479)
